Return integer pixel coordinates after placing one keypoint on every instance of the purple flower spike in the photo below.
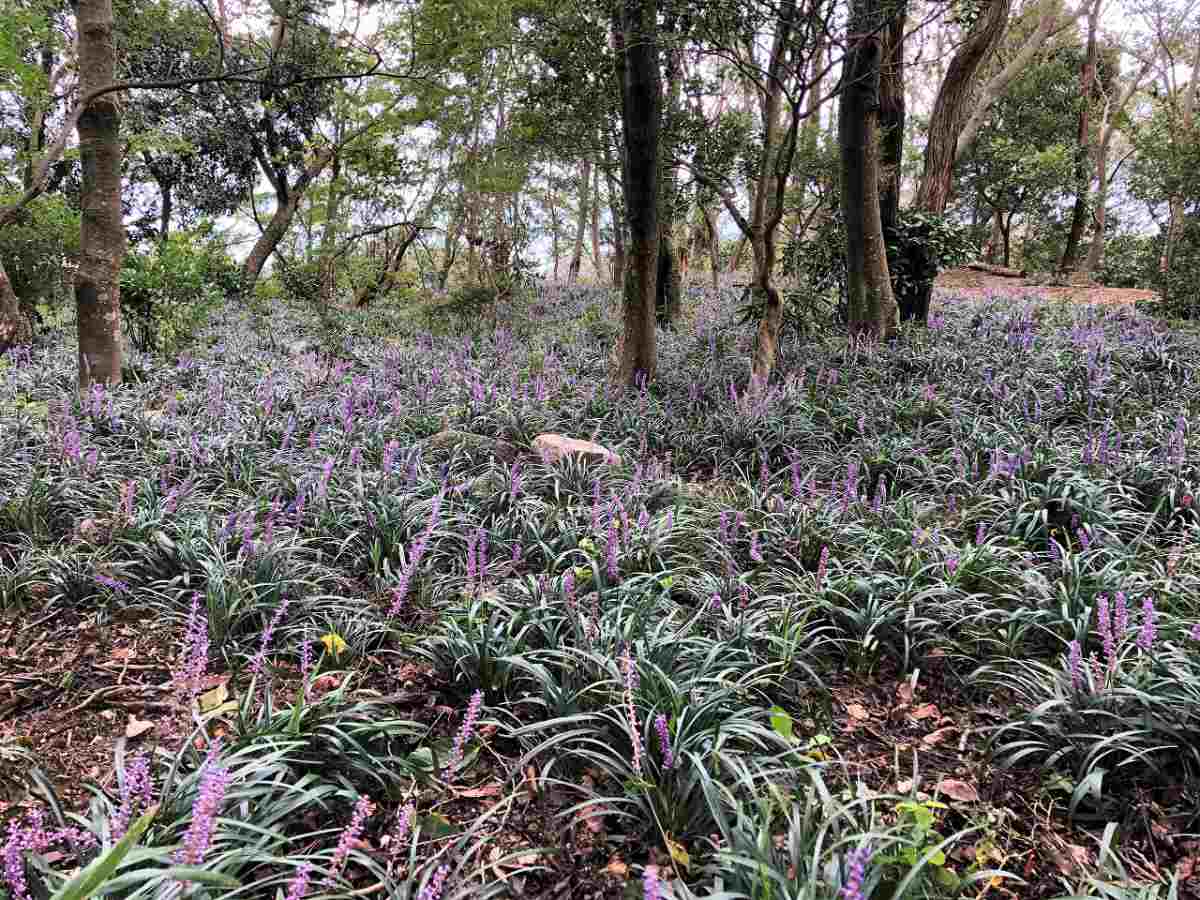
(214, 782)
(652, 889)
(664, 741)
(1148, 632)
(465, 731)
(856, 874)
(298, 886)
(136, 795)
(1194, 634)
(1075, 665)
(350, 835)
(433, 890)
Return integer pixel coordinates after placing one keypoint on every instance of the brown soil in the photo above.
(970, 283)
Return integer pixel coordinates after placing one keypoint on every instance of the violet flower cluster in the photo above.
(137, 793)
(465, 731)
(349, 837)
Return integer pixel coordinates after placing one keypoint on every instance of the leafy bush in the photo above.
(169, 291)
(1179, 287)
(1130, 261)
(37, 250)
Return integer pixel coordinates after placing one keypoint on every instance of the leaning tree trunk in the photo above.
(871, 308)
(15, 327)
(1083, 175)
(585, 184)
(285, 210)
(102, 231)
(950, 112)
(641, 102)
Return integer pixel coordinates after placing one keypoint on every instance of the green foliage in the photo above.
(1130, 261)
(169, 291)
(36, 248)
(1180, 286)
(922, 245)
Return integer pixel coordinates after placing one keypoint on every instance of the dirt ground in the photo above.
(972, 283)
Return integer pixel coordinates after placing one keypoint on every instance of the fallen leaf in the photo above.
(1073, 857)
(958, 790)
(487, 790)
(122, 653)
(857, 711)
(528, 859)
(679, 853)
(904, 691)
(617, 868)
(210, 700)
(904, 786)
(925, 711)
(136, 727)
(936, 737)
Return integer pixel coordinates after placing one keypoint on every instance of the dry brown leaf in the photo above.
(1071, 858)
(904, 785)
(925, 711)
(936, 737)
(617, 868)
(858, 711)
(136, 727)
(958, 790)
(904, 691)
(487, 790)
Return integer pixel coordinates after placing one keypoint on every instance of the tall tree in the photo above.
(102, 233)
(871, 308)
(950, 112)
(585, 184)
(636, 59)
(1083, 171)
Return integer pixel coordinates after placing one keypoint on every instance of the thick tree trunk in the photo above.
(1083, 175)
(102, 232)
(641, 114)
(15, 327)
(1049, 21)
(950, 112)
(585, 184)
(953, 104)
(871, 308)
(288, 201)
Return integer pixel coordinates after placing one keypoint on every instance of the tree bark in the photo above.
(102, 232)
(1083, 178)
(287, 202)
(597, 259)
(333, 204)
(15, 327)
(871, 308)
(585, 184)
(618, 227)
(950, 112)
(952, 106)
(1050, 21)
(1175, 202)
(891, 117)
(641, 114)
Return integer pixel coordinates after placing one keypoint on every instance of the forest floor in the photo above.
(980, 285)
(870, 607)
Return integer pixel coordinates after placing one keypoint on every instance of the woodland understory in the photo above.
(306, 617)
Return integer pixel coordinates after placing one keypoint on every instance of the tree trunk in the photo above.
(1175, 202)
(950, 112)
(618, 227)
(164, 215)
(641, 102)
(102, 231)
(1083, 176)
(711, 224)
(597, 259)
(288, 201)
(995, 244)
(450, 246)
(891, 118)
(585, 183)
(1048, 22)
(871, 306)
(15, 327)
(333, 203)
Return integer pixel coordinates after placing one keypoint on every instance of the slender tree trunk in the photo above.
(669, 296)
(1175, 202)
(1006, 234)
(597, 259)
(555, 252)
(641, 103)
(871, 306)
(15, 327)
(950, 112)
(891, 117)
(585, 184)
(1083, 175)
(285, 211)
(333, 213)
(995, 245)
(711, 223)
(164, 215)
(102, 232)
(450, 246)
(618, 228)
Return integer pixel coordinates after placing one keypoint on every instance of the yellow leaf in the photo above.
(334, 643)
(210, 700)
(678, 853)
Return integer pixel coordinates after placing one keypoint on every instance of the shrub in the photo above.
(1130, 261)
(35, 249)
(169, 292)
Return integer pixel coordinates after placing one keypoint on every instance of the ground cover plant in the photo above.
(296, 618)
